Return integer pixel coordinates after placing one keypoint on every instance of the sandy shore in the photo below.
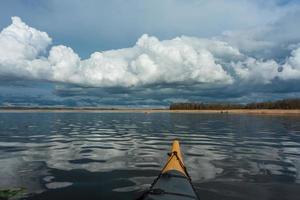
(235, 111)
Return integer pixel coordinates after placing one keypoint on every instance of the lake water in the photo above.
(117, 155)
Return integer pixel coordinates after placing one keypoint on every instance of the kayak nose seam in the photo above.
(173, 170)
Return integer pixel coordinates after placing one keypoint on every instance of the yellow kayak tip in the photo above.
(173, 182)
(175, 161)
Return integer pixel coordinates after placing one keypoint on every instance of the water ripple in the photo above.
(216, 148)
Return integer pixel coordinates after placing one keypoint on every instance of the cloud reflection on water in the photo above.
(216, 147)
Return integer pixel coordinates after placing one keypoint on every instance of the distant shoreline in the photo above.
(141, 110)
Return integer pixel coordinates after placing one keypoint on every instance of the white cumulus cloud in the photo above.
(291, 69)
(182, 60)
(150, 61)
(19, 41)
(20, 49)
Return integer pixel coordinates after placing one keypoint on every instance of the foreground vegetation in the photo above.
(6, 194)
(282, 104)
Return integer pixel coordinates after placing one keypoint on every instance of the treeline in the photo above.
(282, 104)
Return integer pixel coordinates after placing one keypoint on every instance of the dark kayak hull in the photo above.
(171, 186)
(173, 183)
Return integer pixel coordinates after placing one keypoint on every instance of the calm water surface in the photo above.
(117, 155)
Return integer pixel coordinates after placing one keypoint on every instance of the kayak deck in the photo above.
(175, 161)
(173, 183)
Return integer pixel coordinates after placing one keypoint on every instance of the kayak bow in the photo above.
(173, 182)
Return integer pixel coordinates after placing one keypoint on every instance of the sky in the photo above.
(148, 53)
